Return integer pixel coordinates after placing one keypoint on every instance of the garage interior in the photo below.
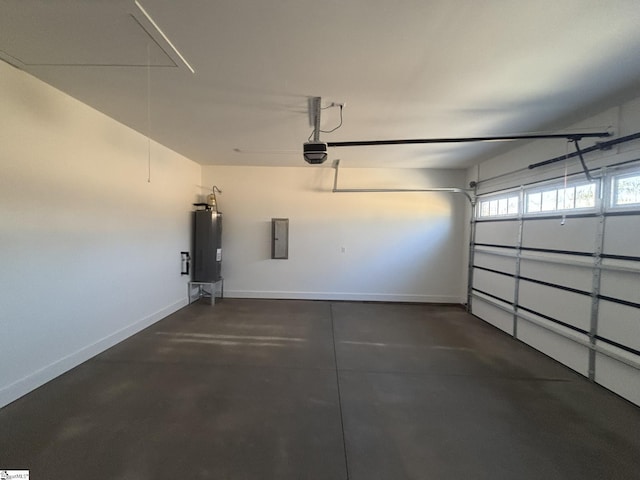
(446, 307)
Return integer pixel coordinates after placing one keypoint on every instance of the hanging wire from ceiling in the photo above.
(566, 174)
(148, 112)
(332, 105)
(340, 124)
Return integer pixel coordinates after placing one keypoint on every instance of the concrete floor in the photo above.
(267, 389)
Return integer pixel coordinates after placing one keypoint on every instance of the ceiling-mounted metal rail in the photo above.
(598, 146)
(463, 191)
(606, 145)
(498, 138)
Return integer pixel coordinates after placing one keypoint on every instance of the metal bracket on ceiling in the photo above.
(314, 105)
(464, 191)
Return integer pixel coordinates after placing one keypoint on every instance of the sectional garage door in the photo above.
(564, 276)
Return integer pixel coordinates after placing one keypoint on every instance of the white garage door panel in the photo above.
(621, 285)
(493, 315)
(616, 376)
(622, 234)
(568, 307)
(619, 323)
(497, 233)
(495, 262)
(577, 234)
(493, 283)
(564, 350)
(565, 255)
(580, 278)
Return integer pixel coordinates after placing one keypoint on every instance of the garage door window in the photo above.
(575, 196)
(554, 199)
(503, 206)
(626, 190)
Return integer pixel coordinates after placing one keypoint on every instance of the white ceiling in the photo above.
(405, 68)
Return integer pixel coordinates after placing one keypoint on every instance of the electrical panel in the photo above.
(280, 238)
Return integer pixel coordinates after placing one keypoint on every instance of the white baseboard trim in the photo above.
(357, 297)
(17, 389)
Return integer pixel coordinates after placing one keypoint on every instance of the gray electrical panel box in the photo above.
(280, 238)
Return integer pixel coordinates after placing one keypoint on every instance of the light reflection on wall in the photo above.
(396, 242)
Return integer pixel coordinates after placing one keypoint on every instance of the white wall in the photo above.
(89, 250)
(398, 246)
